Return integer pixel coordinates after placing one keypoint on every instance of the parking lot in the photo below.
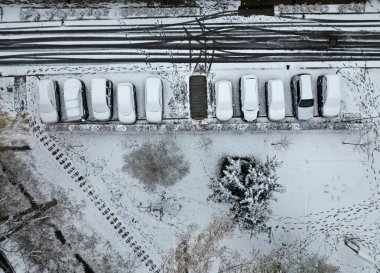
(177, 107)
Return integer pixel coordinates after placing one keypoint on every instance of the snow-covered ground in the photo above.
(331, 177)
(330, 186)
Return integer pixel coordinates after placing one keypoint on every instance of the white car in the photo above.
(101, 99)
(249, 97)
(75, 100)
(153, 100)
(275, 99)
(303, 100)
(126, 103)
(48, 101)
(329, 95)
(223, 98)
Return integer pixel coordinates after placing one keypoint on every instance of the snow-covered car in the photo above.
(275, 99)
(126, 105)
(48, 101)
(329, 95)
(303, 101)
(249, 97)
(153, 100)
(75, 102)
(101, 99)
(223, 98)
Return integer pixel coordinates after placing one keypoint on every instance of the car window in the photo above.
(298, 92)
(306, 103)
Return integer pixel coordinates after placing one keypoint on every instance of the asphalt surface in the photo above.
(204, 40)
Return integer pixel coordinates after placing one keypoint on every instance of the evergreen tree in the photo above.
(248, 185)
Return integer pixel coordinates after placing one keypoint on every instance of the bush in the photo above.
(157, 164)
(248, 185)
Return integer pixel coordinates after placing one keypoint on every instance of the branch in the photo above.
(15, 148)
(23, 224)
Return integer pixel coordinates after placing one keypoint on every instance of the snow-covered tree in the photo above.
(248, 185)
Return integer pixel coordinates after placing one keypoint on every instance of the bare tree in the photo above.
(202, 251)
(198, 252)
(155, 164)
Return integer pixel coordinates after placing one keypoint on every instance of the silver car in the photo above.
(101, 99)
(303, 100)
(249, 97)
(126, 106)
(75, 100)
(153, 100)
(223, 99)
(275, 99)
(48, 101)
(329, 95)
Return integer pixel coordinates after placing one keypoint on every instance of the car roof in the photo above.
(72, 83)
(224, 88)
(124, 99)
(152, 83)
(44, 85)
(333, 83)
(305, 85)
(276, 87)
(98, 90)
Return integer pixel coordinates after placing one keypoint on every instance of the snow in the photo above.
(331, 187)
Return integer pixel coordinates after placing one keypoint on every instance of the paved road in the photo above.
(207, 40)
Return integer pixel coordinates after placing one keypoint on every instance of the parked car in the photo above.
(329, 95)
(126, 104)
(153, 100)
(249, 97)
(275, 99)
(101, 99)
(48, 101)
(74, 98)
(223, 98)
(303, 101)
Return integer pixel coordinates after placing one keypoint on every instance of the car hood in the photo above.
(250, 115)
(102, 116)
(51, 117)
(276, 114)
(128, 119)
(224, 115)
(305, 113)
(330, 112)
(154, 117)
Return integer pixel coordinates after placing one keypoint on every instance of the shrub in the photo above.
(248, 185)
(161, 163)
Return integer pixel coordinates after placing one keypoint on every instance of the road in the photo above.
(209, 39)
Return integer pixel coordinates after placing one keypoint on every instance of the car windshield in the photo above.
(276, 104)
(100, 108)
(306, 103)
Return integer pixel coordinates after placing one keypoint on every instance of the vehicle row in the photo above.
(328, 92)
(75, 106)
(101, 99)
